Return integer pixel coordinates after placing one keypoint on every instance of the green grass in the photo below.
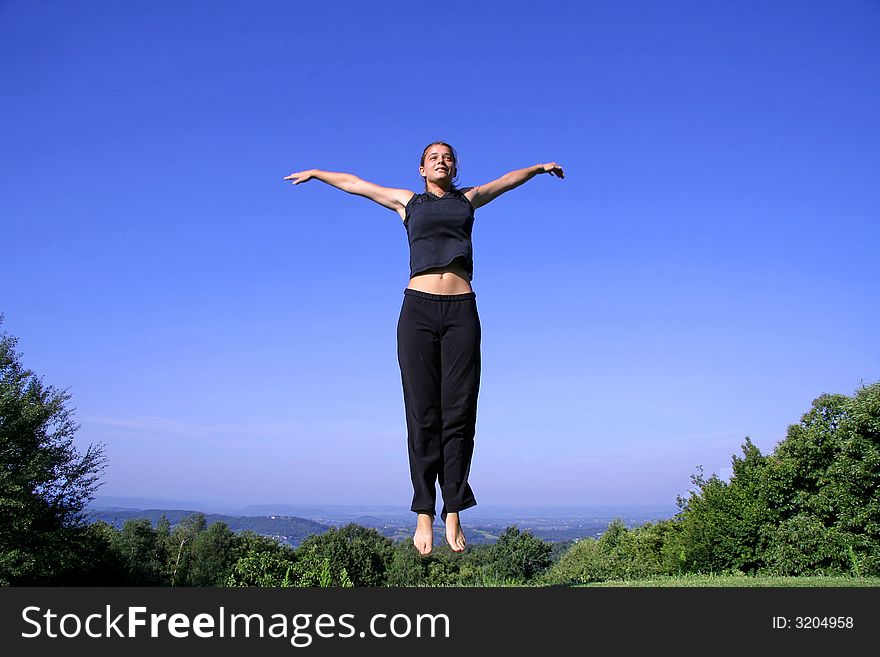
(743, 580)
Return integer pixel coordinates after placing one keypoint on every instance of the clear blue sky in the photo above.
(707, 267)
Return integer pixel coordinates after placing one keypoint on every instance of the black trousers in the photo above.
(438, 349)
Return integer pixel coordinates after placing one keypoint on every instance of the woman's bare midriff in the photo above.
(451, 279)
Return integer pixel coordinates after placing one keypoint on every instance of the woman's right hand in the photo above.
(301, 176)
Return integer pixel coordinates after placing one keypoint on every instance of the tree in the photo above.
(180, 547)
(632, 553)
(45, 481)
(583, 562)
(520, 555)
(406, 567)
(813, 506)
(212, 556)
(363, 554)
(261, 562)
(831, 463)
(315, 569)
(137, 549)
(105, 566)
(164, 548)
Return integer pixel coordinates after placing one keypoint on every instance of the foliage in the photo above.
(137, 549)
(363, 554)
(583, 562)
(515, 558)
(260, 569)
(212, 556)
(741, 580)
(811, 507)
(407, 567)
(45, 481)
(519, 555)
(262, 563)
(313, 569)
(179, 548)
(804, 545)
(633, 553)
(620, 553)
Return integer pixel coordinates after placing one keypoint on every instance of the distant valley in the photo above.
(294, 523)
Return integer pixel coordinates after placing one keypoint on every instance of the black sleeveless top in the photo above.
(439, 230)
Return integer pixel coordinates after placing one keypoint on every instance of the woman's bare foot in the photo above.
(454, 534)
(423, 539)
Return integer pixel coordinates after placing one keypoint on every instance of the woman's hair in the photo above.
(454, 160)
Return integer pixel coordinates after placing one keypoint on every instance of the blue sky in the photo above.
(705, 270)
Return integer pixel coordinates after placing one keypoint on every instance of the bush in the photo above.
(364, 554)
(804, 545)
(584, 562)
(519, 556)
(261, 561)
(811, 507)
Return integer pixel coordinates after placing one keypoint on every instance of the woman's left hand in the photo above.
(553, 169)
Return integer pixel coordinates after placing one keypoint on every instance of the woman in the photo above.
(438, 333)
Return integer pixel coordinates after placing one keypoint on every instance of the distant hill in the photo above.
(483, 525)
(128, 502)
(288, 529)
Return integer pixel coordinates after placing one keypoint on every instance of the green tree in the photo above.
(476, 565)
(406, 567)
(315, 568)
(261, 562)
(632, 553)
(102, 565)
(45, 481)
(520, 555)
(179, 550)
(137, 550)
(582, 563)
(830, 465)
(803, 544)
(212, 556)
(724, 524)
(164, 548)
(813, 506)
(363, 553)
(620, 553)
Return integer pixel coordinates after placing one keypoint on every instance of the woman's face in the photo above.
(439, 165)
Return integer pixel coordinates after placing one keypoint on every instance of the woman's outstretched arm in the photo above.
(482, 194)
(389, 197)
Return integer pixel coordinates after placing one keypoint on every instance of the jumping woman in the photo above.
(438, 333)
